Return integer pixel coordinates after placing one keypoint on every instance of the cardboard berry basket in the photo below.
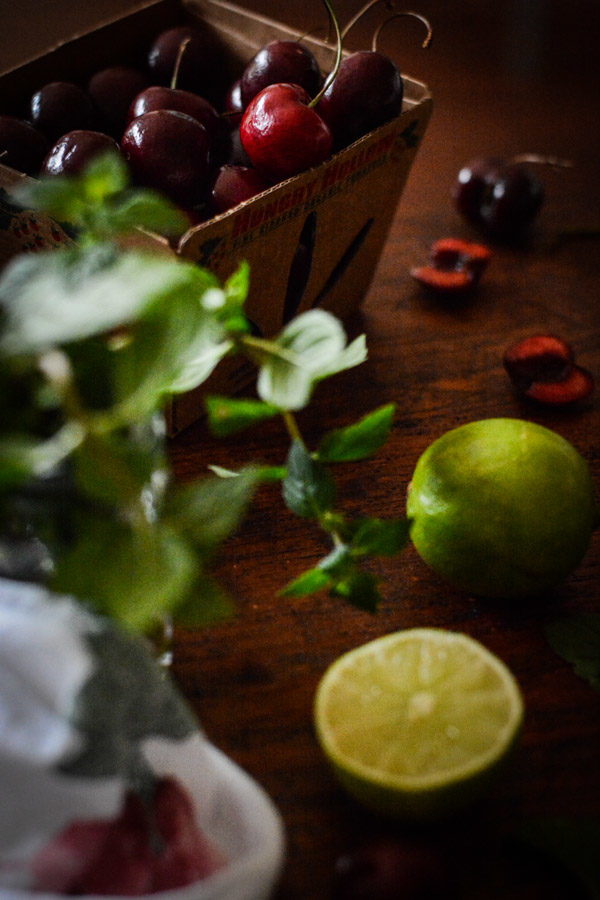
(338, 213)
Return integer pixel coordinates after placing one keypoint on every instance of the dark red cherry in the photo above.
(237, 154)
(232, 105)
(277, 62)
(61, 106)
(233, 185)
(22, 146)
(112, 91)
(159, 97)
(499, 197)
(282, 134)
(73, 151)
(366, 92)
(198, 63)
(169, 151)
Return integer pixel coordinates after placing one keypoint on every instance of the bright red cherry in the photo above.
(282, 134)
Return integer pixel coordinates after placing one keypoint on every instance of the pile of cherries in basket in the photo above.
(207, 152)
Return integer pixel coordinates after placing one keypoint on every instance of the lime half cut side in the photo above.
(417, 723)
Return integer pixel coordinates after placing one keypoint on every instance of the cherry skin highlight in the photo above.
(159, 97)
(61, 106)
(74, 150)
(498, 197)
(282, 134)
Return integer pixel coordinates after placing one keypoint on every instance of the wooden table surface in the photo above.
(507, 77)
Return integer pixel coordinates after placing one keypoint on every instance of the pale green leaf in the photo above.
(51, 299)
(311, 347)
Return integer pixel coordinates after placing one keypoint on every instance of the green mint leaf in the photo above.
(200, 359)
(113, 722)
(22, 457)
(311, 347)
(209, 510)
(116, 469)
(573, 842)
(360, 440)
(310, 582)
(360, 589)
(380, 537)
(227, 416)
(147, 573)
(266, 473)
(577, 639)
(308, 489)
(79, 199)
(184, 343)
(141, 209)
(236, 287)
(207, 604)
(52, 299)
(328, 570)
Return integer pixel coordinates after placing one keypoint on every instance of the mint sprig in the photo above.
(94, 339)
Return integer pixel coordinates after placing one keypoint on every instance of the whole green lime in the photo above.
(502, 507)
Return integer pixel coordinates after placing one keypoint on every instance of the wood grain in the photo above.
(515, 78)
(506, 77)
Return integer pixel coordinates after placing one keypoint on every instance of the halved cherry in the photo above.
(578, 385)
(454, 265)
(542, 367)
(540, 357)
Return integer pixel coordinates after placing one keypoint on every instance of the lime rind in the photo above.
(369, 748)
(502, 507)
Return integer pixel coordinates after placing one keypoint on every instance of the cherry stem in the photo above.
(180, 53)
(338, 56)
(389, 4)
(539, 159)
(406, 12)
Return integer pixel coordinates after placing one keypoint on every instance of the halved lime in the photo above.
(417, 723)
